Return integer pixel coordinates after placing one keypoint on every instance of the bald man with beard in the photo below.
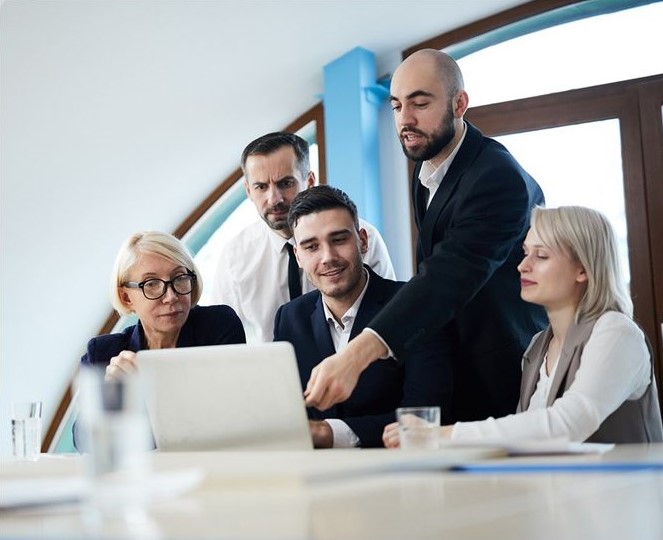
(472, 202)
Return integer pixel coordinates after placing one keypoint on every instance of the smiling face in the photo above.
(162, 319)
(428, 120)
(329, 249)
(272, 181)
(550, 277)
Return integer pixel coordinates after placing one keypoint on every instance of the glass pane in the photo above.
(572, 172)
(606, 48)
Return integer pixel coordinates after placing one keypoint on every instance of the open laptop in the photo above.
(225, 397)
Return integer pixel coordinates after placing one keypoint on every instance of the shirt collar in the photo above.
(431, 176)
(276, 240)
(351, 313)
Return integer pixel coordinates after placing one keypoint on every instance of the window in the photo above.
(591, 51)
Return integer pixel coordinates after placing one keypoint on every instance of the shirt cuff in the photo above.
(344, 437)
(390, 353)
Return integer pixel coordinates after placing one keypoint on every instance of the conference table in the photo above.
(454, 492)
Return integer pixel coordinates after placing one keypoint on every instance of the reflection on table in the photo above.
(361, 494)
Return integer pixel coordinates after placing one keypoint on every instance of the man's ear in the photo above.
(460, 103)
(363, 241)
(310, 180)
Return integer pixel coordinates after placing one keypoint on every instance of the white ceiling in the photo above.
(275, 50)
(266, 57)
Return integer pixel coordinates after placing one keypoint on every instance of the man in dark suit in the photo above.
(472, 202)
(329, 247)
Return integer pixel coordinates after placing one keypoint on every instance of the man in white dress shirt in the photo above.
(251, 273)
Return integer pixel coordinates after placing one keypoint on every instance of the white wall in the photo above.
(395, 182)
(109, 124)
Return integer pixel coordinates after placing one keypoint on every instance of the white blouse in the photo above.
(539, 398)
(614, 367)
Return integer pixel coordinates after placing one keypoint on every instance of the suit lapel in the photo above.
(532, 360)
(575, 335)
(323, 341)
(321, 335)
(465, 156)
(418, 196)
(371, 303)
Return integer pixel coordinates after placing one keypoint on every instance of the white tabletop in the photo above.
(363, 494)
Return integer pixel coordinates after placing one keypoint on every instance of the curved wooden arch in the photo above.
(315, 113)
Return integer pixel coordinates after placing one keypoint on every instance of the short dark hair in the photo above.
(317, 199)
(271, 142)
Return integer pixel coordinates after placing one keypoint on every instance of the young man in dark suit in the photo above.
(329, 247)
(472, 202)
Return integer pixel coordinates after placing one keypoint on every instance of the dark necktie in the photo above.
(294, 281)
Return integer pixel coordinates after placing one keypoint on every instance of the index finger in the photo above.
(311, 382)
(318, 394)
(313, 393)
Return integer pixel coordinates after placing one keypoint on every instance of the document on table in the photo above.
(16, 493)
(559, 446)
(23, 492)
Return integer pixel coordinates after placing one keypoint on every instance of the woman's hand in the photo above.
(121, 365)
(390, 436)
(391, 439)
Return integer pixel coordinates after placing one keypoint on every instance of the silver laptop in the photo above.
(225, 397)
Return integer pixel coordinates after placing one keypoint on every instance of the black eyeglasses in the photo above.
(155, 288)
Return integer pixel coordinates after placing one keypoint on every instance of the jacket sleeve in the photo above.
(489, 219)
(232, 330)
(427, 381)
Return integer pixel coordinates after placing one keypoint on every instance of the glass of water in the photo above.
(26, 429)
(116, 435)
(418, 427)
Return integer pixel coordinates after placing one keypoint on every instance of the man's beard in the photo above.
(436, 141)
(279, 224)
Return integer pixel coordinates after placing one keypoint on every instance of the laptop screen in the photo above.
(225, 397)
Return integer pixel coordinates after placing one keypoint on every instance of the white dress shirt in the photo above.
(431, 177)
(614, 367)
(344, 436)
(251, 276)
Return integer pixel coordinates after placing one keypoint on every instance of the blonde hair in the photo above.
(587, 237)
(157, 243)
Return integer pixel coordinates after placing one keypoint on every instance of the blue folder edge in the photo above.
(598, 466)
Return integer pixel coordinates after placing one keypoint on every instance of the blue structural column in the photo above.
(351, 130)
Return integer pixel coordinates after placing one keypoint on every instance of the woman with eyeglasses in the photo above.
(155, 278)
(589, 375)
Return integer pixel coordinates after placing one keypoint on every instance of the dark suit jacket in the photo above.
(467, 288)
(384, 385)
(211, 325)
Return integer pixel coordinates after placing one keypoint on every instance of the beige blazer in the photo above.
(635, 421)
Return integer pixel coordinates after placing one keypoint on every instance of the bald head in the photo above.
(436, 62)
(429, 101)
